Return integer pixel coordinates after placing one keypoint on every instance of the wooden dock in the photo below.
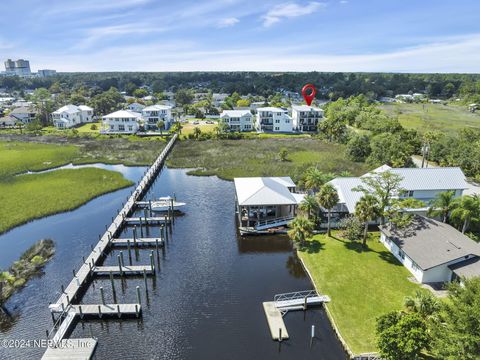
(123, 270)
(81, 277)
(72, 349)
(147, 220)
(138, 242)
(278, 330)
(101, 310)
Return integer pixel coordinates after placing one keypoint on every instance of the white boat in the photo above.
(164, 203)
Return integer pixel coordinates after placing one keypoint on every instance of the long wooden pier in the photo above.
(91, 265)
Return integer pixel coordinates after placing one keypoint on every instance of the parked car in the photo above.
(209, 122)
(196, 123)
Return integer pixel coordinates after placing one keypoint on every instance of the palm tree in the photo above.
(466, 209)
(309, 206)
(161, 125)
(327, 197)
(300, 229)
(367, 209)
(423, 303)
(314, 179)
(442, 205)
(197, 132)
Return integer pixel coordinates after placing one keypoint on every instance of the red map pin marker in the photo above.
(308, 93)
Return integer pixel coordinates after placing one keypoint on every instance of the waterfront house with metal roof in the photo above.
(237, 120)
(263, 203)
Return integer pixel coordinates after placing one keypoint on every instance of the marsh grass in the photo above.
(260, 157)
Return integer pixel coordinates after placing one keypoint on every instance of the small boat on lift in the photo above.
(164, 203)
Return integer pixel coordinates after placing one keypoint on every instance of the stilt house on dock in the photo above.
(263, 203)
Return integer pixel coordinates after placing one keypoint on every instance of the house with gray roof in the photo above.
(265, 202)
(432, 251)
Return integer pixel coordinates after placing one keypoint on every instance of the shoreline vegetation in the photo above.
(29, 265)
(261, 157)
(64, 189)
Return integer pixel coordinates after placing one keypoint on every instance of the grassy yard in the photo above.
(187, 128)
(424, 117)
(86, 128)
(260, 157)
(27, 197)
(363, 284)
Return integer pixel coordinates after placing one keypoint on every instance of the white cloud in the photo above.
(290, 10)
(343, 2)
(226, 22)
(455, 54)
(92, 6)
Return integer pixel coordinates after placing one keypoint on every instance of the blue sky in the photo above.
(190, 35)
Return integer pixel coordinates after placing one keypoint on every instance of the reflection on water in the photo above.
(206, 299)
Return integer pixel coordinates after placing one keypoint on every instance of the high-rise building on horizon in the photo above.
(18, 67)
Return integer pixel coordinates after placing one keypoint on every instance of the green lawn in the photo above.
(86, 128)
(259, 157)
(187, 128)
(27, 197)
(424, 117)
(363, 284)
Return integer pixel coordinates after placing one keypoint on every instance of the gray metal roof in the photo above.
(431, 243)
(441, 178)
(446, 178)
(468, 268)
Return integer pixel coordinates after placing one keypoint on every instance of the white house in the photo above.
(136, 107)
(419, 183)
(306, 118)
(432, 251)
(71, 115)
(24, 114)
(121, 122)
(153, 114)
(237, 120)
(273, 119)
(265, 202)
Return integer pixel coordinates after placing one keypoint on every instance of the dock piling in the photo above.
(138, 295)
(118, 311)
(120, 265)
(152, 263)
(129, 251)
(279, 334)
(81, 311)
(121, 259)
(63, 289)
(145, 279)
(99, 311)
(102, 295)
(305, 303)
(312, 335)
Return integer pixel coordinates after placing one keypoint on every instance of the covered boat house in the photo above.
(263, 203)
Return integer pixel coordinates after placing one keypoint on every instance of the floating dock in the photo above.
(90, 267)
(275, 321)
(123, 270)
(275, 310)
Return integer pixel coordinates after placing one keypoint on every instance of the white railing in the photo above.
(273, 221)
(295, 295)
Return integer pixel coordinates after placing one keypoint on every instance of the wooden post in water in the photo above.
(156, 245)
(119, 264)
(118, 311)
(173, 210)
(138, 295)
(121, 259)
(81, 311)
(99, 312)
(141, 228)
(152, 263)
(280, 334)
(102, 295)
(150, 207)
(63, 289)
(305, 303)
(135, 236)
(129, 251)
(312, 335)
(112, 282)
(145, 279)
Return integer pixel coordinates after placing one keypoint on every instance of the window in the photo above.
(277, 121)
(410, 193)
(401, 254)
(130, 128)
(415, 266)
(277, 128)
(121, 127)
(112, 127)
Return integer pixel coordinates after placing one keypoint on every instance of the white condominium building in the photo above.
(121, 122)
(237, 120)
(306, 118)
(153, 114)
(273, 119)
